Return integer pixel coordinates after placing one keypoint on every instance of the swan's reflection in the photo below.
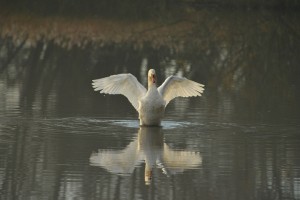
(150, 148)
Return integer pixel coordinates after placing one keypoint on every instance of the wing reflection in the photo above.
(150, 148)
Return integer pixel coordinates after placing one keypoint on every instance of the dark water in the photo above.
(240, 140)
(197, 153)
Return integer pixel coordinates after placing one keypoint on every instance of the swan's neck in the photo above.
(151, 86)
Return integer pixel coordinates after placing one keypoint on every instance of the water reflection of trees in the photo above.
(45, 159)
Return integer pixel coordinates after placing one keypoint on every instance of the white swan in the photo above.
(150, 104)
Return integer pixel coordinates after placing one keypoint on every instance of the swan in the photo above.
(151, 103)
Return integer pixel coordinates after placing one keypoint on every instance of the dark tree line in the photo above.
(139, 8)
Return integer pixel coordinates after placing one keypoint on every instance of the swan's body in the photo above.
(151, 107)
(150, 103)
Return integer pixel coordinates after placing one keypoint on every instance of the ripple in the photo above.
(168, 124)
(96, 123)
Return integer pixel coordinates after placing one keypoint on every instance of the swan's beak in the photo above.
(153, 78)
(148, 176)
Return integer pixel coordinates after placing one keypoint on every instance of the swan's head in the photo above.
(151, 76)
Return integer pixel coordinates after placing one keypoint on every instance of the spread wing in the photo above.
(125, 84)
(175, 86)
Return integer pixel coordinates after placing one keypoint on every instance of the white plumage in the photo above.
(150, 103)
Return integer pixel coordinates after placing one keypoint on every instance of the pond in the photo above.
(61, 140)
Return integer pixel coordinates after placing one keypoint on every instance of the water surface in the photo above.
(198, 154)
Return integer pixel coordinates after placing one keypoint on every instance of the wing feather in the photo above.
(125, 84)
(175, 86)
